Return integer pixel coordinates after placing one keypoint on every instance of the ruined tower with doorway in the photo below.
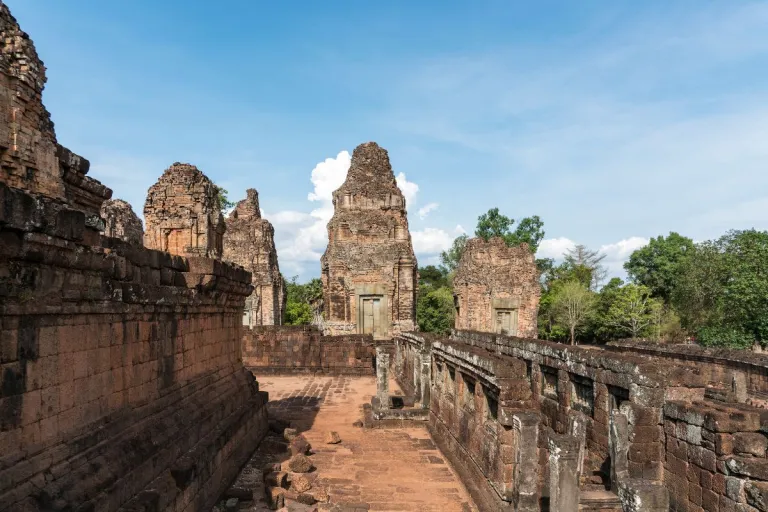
(496, 288)
(249, 241)
(369, 270)
(183, 214)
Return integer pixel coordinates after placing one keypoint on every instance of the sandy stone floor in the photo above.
(371, 469)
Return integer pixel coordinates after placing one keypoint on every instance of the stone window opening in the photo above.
(549, 383)
(491, 404)
(468, 396)
(582, 394)
(616, 396)
(450, 380)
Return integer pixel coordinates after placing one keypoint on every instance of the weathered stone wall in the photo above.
(720, 367)
(183, 215)
(494, 396)
(303, 349)
(121, 222)
(369, 255)
(497, 288)
(120, 366)
(249, 241)
(122, 385)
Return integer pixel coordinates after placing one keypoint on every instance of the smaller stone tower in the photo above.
(121, 222)
(183, 214)
(496, 288)
(250, 241)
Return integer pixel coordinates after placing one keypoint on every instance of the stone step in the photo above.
(599, 500)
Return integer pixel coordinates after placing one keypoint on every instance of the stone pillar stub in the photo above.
(382, 377)
(525, 478)
(425, 358)
(618, 446)
(577, 427)
(563, 473)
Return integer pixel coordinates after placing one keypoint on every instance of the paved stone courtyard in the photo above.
(398, 469)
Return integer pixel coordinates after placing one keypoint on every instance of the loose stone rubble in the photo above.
(121, 222)
(369, 270)
(183, 214)
(496, 288)
(249, 241)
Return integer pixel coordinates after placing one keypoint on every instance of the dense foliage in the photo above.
(302, 301)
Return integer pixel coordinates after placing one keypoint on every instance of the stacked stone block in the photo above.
(183, 214)
(121, 222)
(494, 279)
(303, 349)
(249, 241)
(369, 251)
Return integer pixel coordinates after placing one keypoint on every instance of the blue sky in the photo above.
(613, 121)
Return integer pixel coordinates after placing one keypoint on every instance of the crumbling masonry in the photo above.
(249, 241)
(496, 288)
(122, 386)
(121, 222)
(369, 270)
(183, 214)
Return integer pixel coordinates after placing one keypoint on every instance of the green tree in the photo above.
(302, 301)
(450, 258)
(572, 305)
(722, 290)
(599, 328)
(633, 311)
(222, 196)
(529, 230)
(585, 266)
(432, 277)
(657, 265)
(434, 310)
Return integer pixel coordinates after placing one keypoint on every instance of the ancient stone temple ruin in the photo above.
(122, 386)
(496, 288)
(128, 375)
(121, 222)
(369, 270)
(249, 241)
(183, 214)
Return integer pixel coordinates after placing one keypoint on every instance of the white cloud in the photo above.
(424, 210)
(459, 230)
(329, 175)
(618, 253)
(554, 247)
(431, 241)
(408, 188)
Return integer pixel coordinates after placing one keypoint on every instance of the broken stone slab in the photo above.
(321, 495)
(300, 482)
(290, 433)
(297, 464)
(231, 504)
(300, 445)
(750, 443)
(332, 437)
(277, 479)
(358, 424)
(275, 497)
(273, 445)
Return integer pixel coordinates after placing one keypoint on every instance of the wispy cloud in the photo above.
(424, 210)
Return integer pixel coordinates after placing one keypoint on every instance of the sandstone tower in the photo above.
(250, 241)
(496, 288)
(183, 215)
(30, 157)
(369, 270)
(121, 222)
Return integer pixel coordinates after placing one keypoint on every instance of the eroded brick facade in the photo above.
(121, 222)
(369, 270)
(496, 288)
(304, 349)
(249, 241)
(183, 215)
(30, 157)
(122, 385)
